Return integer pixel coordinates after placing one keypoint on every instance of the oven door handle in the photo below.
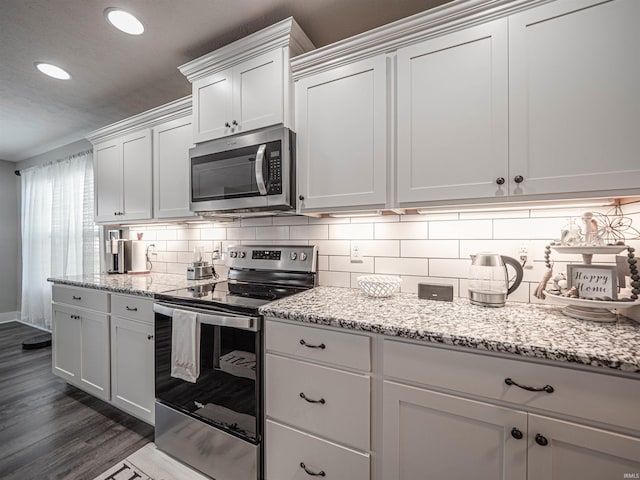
(262, 188)
(206, 317)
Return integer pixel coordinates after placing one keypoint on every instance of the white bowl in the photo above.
(379, 286)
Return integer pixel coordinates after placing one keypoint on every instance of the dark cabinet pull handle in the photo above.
(517, 434)
(149, 337)
(518, 179)
(301, 197)
(76, 298)
(304, 397)
(313, 474)
(542, 441)
(226, 124)
(322, 346)
(546, 388)
(131, 309)
(235, 123)
(500, 180)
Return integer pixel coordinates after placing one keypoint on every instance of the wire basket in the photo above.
(379, 286)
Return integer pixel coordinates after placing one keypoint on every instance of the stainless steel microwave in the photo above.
(252, 172)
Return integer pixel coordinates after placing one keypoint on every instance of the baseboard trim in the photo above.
(34, 326)
(9, 317)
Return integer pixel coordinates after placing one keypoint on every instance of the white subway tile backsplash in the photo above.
(402, 266)
(256, 222)
(323, 262)
(167, 257)
(242, 233)
(491, 215)
(206, 245)
(429, 248)
(429, 217)
(376, 219)
(167, 234)
(531, 228)
(272, 233)
(461, 229)
(177, 268)
(309, 232)
(510, 248)
(351, 231)
(344, 264)
(291, 220)
(449, 268)
(215, 233)
(185, 257)
(177, 246)
(188, 234)
(379, 248)
(333, 247)
(334, 279)
(328, 220)
(401, 231)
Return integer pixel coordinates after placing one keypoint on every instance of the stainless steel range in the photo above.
(213, 420)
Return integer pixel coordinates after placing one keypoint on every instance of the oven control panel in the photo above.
(298, 258)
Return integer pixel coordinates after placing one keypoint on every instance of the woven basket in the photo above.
(379, 286)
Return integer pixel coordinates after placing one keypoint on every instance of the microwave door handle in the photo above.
(262, 188)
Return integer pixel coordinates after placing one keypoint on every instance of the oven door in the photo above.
(251, 172)
(227, 393)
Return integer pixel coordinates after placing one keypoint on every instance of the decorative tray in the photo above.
(604, 249)
(583, 302)
(593, 310)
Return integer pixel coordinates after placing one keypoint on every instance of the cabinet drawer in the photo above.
(288, 449)
(599, 397)
(81, 297)
(135, 308)
(319, 344)
(336, 404)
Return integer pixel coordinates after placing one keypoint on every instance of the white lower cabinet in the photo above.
(433, 435)
(81, 349)
(318, 416)
(132, 373)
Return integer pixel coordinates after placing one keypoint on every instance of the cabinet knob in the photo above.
(226, 124)
(235, 123)
(149, 337)
(500, 180)
(541, 440)
(518, 179)
(76, 298)
(517, 434)
(311, 472)
(301, 197)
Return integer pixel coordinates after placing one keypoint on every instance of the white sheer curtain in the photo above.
(59, 237)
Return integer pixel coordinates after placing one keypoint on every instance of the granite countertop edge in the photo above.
(102, 287)
(574, 356)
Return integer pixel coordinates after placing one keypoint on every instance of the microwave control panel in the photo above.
(275, 173)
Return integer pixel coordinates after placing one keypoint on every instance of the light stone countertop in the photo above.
(145, 285)
(530, 330)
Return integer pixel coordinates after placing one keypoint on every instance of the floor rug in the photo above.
(149, 463)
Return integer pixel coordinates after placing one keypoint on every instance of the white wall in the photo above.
(9, 240)
(419, 248)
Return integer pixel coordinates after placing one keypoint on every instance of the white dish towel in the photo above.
(185, 346)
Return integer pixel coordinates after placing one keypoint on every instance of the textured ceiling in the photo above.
(115, 75)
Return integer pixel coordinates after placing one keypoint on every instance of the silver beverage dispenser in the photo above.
(118, 252)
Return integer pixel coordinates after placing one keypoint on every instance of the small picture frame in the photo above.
(594, 282)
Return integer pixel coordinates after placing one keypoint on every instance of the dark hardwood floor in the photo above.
(49, 429)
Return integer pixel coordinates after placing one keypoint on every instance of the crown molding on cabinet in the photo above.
(156, 116)
(416, 28)
(282, 34)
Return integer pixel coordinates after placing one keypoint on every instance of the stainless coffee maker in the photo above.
(118, 253)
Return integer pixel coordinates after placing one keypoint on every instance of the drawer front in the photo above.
(321, 400)
(288, 449)
(132, 307)
(319, 344)
(81, 297)
(598, 397)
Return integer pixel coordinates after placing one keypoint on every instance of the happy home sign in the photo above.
(593, 281)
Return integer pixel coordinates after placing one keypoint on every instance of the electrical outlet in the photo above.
(356, 253)
(525, 255)
(216, 253)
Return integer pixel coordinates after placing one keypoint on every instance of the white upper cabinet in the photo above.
(342, 136)
(171, 167)
(247, 84)
(453, 116)
(122, 170)
(574, 100)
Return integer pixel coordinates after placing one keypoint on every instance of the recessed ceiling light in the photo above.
(52, 70)
(124, 21)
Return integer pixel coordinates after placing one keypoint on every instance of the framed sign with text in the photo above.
(597, 282)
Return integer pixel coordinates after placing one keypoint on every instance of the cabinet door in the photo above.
(171, 167)
(66, 343)
(258, 89)
(94, 354)
(578, 451)
(574, 102)
(132, 373)
(212, 106)
(342, 136)
(453, 116)
(107, 166)
(433, 435)
(136, 163)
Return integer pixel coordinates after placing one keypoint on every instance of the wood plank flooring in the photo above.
(50, 430)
